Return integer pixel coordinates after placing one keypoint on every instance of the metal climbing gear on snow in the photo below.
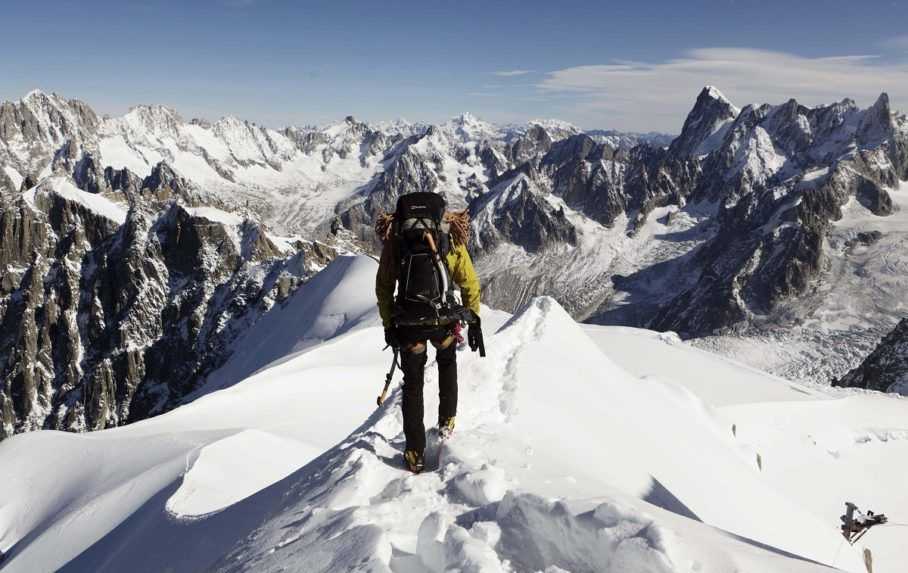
(394, 365)
(856, 523)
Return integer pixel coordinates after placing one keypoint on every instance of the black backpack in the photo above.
(424, 289)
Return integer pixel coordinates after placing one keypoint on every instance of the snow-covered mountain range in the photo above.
(773, 233)
(578, 448)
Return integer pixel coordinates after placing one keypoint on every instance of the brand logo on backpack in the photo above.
(424, 294)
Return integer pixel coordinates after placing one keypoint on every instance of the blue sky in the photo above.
(633, 65)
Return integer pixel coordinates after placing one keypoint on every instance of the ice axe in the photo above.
(384, 392)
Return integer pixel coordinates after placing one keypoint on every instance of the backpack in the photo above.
(424, 289)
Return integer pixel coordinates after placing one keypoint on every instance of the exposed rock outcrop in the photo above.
(108, 321)
(886, 368)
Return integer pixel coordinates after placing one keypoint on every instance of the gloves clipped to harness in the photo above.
(474, 336)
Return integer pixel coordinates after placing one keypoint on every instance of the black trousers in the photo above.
(414, 353)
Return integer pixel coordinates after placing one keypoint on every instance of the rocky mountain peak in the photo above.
(556, 128)
(143, 121)
(704, 127)
(712, 92)
(877, 122)
(790, 126)
(576, 147)
(40, 102)
(881, 105)
(36, 97)
(33, 129)
(468, 127)
(534, 142)
(467, 118)
(517, 211)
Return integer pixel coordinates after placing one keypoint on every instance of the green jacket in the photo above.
(459, 265)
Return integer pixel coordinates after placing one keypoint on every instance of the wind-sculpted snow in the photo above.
(266, 459)
(562, 461)
(335, 301)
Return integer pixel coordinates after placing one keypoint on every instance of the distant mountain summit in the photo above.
(706, 124)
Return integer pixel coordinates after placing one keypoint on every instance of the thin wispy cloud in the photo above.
(895, 43)
(511, 73)
(644, 95)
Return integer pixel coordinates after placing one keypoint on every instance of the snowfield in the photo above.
(578, 448)
(92, 202)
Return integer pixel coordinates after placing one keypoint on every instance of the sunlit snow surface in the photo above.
(578, 448)
(92, 202)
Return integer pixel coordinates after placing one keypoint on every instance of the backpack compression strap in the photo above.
(439, 266)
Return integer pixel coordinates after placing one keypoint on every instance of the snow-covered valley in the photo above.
(578, 448)
(861, 298)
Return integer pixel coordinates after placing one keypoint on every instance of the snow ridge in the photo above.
(311, 495)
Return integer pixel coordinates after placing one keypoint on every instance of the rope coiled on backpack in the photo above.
(459, 222)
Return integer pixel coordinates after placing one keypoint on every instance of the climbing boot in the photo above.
(414, 461)
(445, 427)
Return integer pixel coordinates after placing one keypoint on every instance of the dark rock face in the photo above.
(864, 238)
(886, 368)
(35, 128)
(163, 183)
(710, 112)
(874, 197)
(533, 144)
(586, 176)
(529, 221)
(107, 323)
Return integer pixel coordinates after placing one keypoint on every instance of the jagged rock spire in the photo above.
(710, 114)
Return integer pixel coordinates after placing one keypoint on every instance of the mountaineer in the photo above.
(423, 255)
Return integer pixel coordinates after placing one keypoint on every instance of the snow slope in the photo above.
(578, 449)
(93, 202)
(333, 302)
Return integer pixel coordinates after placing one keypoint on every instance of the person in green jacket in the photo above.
(443, 332)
